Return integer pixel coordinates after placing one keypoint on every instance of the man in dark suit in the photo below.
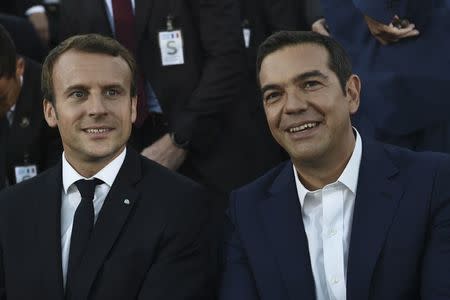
(105, 223)
(346, 217)
(29, 145)
(389, 43)
(199, 132)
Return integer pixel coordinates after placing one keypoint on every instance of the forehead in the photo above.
(289, 61)
(75, 67)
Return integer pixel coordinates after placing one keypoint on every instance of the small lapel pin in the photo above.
(126, 201)
(24, 122)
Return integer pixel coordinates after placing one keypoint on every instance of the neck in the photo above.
(319, 172)
(89, 167)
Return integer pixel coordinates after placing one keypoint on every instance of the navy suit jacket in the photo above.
(405, 84)
(400, 237)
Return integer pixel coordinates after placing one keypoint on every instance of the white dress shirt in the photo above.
(71, 197)
(327, 216)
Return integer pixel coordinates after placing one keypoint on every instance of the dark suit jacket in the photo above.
(403, 83)
(201, 98)
(399, 240)
(29, 134)
(152, 248)
(17, 7)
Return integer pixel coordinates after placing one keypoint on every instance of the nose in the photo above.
(296, 102)
(96, 105)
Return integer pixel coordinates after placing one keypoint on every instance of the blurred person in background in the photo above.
(400, 50)
(28, 146)
(33, 10)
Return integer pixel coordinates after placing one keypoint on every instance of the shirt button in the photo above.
(332, 232)
(334, 280)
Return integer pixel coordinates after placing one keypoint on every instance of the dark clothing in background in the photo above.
(28, 140)
(17, 7)
(405, 95)
(24, 36)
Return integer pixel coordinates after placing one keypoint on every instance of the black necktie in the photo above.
(83, 222)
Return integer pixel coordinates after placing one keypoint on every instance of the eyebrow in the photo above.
(309, 74)
(299, 77)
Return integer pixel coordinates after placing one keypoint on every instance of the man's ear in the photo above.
(133, 109)
(20, 66)
(50, 113)
(353, 89)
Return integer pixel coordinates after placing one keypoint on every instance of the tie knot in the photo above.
(87, 187)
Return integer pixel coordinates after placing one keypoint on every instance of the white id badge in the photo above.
(25, 172)
(246, 32)
(171, 45)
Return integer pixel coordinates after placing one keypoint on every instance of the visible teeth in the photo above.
(95, 130)
(303, 127)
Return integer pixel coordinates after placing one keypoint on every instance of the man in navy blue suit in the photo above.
(400, 50)
(346, 217)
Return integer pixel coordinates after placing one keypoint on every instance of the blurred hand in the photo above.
(387, 34)
(320, 26)
(40, 24)
(164, 152)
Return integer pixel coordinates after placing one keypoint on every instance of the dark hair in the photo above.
(338, 60)
(8, 54)
(88, 43)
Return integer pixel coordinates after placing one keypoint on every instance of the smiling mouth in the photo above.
(97, 130)
(303, 127)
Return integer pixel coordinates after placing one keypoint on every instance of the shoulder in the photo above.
(258, 189)
(425, 161)
(172, 189)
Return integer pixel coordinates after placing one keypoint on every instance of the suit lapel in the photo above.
(111, 219)
(49, 234)
(282, 219)
(142, 12)
(376, 202)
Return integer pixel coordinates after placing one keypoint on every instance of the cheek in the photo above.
(273, 114)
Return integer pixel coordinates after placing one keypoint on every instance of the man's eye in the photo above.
(272, 97)
(112, 93)
(311, 84)
(78, 94)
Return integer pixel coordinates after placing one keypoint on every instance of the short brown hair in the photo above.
(88, 43)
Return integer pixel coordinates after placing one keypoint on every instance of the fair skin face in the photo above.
(10, 88)
(308, 112)
(93, 108)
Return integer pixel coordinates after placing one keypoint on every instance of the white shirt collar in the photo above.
(107, 174)
(349, 177)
